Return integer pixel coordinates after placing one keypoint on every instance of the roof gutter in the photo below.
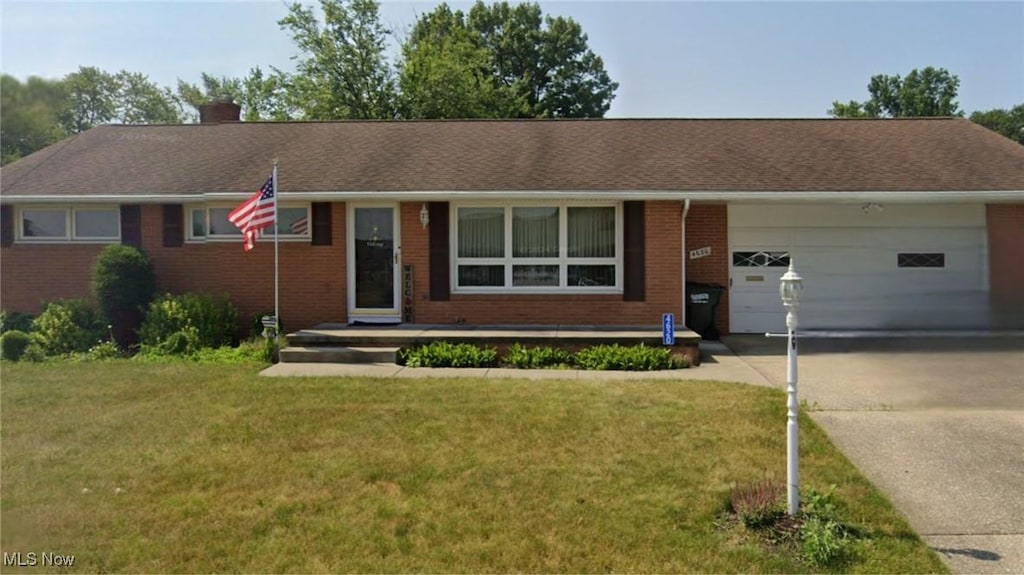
(457, 195)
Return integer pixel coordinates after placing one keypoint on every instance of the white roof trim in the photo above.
(444, 195)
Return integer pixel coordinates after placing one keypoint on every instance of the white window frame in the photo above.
(563, 261)
(70, 233)
(192, 238)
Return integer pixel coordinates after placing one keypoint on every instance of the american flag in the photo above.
(300, 226)
(255, 213)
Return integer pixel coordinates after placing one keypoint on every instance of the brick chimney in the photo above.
(220, 110)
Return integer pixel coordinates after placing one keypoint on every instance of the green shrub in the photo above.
(822, 541)
(34, 352)
(252, 351)
(522, 357)
(104, 350)
(15, 320)
(183, 324)
(823, 538)
(758, 505)
(445, 354)
(68, 326)
(632, 358)
(123, 283)
(402, 355)
(271, 349)
(13, 344)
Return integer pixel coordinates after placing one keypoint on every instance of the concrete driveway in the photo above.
(936, 423)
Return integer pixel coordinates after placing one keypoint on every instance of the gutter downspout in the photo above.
(686, 210)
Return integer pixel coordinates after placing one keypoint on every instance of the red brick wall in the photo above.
(313, 287)
(1006, 263)
(707, 225)
(663, 279)
(312, 278)
(34, 273)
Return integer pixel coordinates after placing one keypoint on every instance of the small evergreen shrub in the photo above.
(183, 324)
(15, 320)
(445, 354)
(13, 344)
(123, 283)
(523, 357)
(68, 326)
(630, 358)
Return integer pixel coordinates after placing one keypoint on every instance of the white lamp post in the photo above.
(790, 288)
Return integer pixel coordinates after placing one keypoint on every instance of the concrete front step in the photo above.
(338, 354)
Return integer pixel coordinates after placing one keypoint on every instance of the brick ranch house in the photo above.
(895, 224)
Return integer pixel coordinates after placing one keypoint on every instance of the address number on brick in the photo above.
(700, 253)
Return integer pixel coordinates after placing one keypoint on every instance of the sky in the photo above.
(672, 59)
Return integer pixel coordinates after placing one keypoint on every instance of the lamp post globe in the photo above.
(791, 286)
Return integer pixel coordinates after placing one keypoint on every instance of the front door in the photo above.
(373, 264)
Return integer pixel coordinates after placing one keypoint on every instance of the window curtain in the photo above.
(481, 232)
(535, 232)
(591, 232)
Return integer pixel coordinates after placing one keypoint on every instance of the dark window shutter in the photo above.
(440, 286)
(634, 252)
(131, 225)
(174, 225)
(6, 226)
(321, 223)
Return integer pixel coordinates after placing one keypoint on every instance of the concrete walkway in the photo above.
(936, 424)
(719, 363)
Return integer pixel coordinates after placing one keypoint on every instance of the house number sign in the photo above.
(700, 253)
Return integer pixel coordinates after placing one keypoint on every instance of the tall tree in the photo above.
(40, 112)
(192, 96)
(519, 62)
(29, 115)
(1009, 123)
(140, 101)
(343, 70)
(92, 99)
(928, 92)
(545, 62)
(446, 72)
(267, 97)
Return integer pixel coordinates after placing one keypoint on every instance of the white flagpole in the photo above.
(277, 310)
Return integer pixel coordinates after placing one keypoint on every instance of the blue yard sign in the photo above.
(668, 329)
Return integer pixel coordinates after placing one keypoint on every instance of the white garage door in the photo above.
(864, 266)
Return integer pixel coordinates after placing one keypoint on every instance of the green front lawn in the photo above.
(197, 468)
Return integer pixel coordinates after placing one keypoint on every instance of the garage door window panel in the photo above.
(760, 259)
(921, 260)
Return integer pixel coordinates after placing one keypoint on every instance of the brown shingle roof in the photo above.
(685, 155)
